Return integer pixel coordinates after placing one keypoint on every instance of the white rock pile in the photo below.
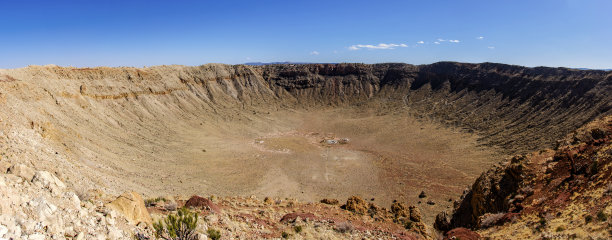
(38, 205)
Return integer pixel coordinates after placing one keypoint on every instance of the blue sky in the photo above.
(570, 33)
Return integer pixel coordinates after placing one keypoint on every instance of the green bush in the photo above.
(285, 235)
(560, 229)
(298, 229)
(588, 218)
(213, 234)
(177, 227)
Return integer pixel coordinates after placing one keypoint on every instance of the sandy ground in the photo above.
(390, 156)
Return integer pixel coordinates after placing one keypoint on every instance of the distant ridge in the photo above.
(275, 63)
(272, 63)
(609, 69)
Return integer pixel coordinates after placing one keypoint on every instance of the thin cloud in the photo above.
(491, 47)
(441, 40)
(436, 42)
(421, 42)
(314, 53)
(454, 41)
(379, 46)
(480, 38)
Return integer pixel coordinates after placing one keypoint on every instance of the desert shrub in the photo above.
(151, 201)
(542, 221)
(541, 225)
(560, 229)
(588, 218)
(298, 229)
(170, 206)
(213, 234)
(408, 224)
(344, 227)
(177, 227)
(594, 167)
(330, 201)
(285, 235)
(601, 216)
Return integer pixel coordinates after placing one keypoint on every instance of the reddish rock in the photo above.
(202, 203)
(461, 233)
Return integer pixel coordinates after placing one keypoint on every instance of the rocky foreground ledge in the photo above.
(561, 193)
(38, 205)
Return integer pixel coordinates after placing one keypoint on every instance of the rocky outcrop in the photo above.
(48, 181)
(491, 193)
(132, 207)
(549, 185)
(203, 204)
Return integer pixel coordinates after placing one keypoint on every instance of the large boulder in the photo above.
(443, 221)
(47, 180)
(203, 203)
(22, 171)
(131, 205)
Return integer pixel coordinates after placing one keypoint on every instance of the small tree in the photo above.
(178, 227)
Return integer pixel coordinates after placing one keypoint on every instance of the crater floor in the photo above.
(389, 156)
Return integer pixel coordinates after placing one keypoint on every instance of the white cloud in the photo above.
(441, 40)
(491, 47)
(421, 42)
(314, 53)
(379, 46)
(454, 41)
(480, 38)
(436, 42)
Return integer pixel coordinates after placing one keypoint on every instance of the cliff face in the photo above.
(517, 108)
